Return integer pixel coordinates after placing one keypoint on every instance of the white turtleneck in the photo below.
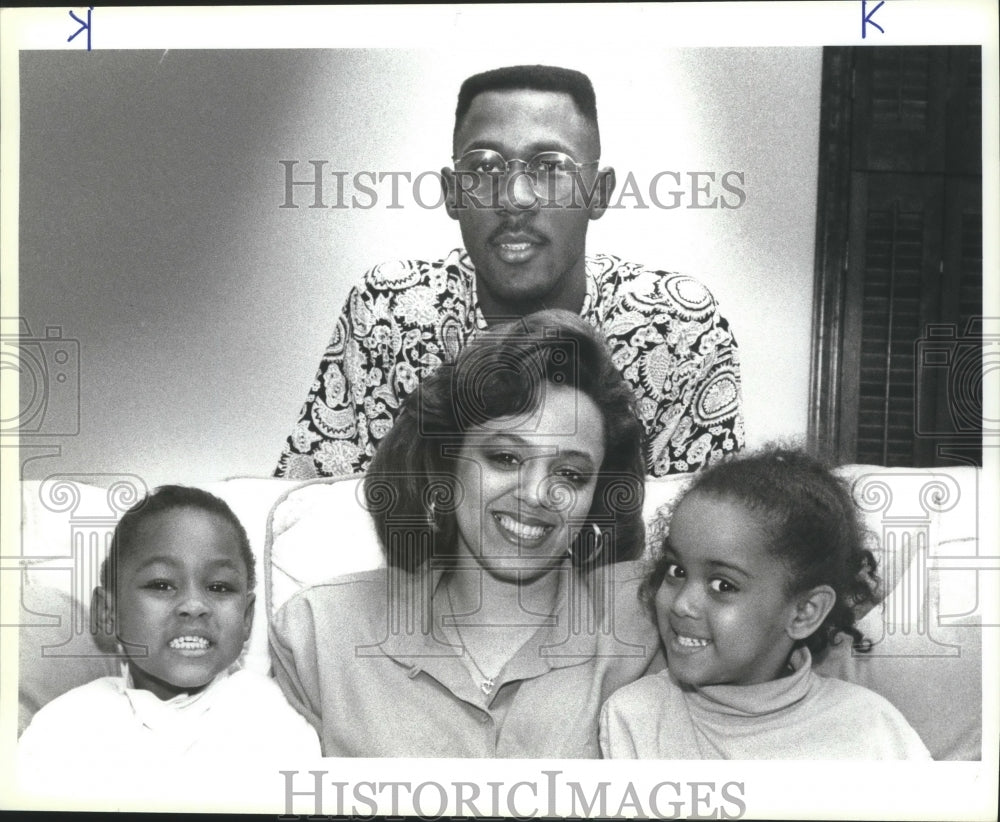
(800, 716)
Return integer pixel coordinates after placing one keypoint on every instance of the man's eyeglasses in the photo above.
(550, 173)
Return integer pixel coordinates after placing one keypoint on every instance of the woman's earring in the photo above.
(432, 518)
(598, 541)
(598, 544)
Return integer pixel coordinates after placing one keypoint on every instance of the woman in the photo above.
(508, 499)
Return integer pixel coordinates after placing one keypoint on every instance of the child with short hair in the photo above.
(177, 594)
(763, 567)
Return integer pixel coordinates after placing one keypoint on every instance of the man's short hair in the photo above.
(536, 78)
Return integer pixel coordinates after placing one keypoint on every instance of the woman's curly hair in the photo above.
(814, 527)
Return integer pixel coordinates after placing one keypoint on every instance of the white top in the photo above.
(106, 730)
(800, 716)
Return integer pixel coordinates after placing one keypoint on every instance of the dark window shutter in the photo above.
(893, 284)
(898, 320)
(900, 108)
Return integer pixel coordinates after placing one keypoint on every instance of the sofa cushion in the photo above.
(56, 650)
(927, 655)
(316, 531)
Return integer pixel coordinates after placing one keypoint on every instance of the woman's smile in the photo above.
(529, 482)
(521, 529)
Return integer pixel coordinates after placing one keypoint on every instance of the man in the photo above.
(526, 182)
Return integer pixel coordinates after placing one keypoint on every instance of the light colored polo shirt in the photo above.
(362, 659)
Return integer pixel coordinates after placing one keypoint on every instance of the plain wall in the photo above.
(151, 230)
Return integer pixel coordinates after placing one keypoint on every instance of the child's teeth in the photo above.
(189, 643)
(692, 642)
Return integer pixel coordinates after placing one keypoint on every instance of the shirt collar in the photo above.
(763, 698)
(180, 702)
(416, 638)
(172, 717)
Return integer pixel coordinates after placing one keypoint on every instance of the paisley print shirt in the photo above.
(664, 330)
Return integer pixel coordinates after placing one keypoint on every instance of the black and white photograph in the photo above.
(522, 411)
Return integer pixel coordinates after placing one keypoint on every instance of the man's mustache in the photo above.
(515, 231)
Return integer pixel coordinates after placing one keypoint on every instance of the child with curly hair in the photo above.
(763, 567)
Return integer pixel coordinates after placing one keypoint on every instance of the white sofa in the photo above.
(927, 657)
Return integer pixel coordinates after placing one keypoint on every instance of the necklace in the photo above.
(486, 686)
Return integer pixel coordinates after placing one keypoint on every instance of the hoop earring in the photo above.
(432, 518)
(598, 542)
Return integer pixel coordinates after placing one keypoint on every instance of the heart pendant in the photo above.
(487, 686)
